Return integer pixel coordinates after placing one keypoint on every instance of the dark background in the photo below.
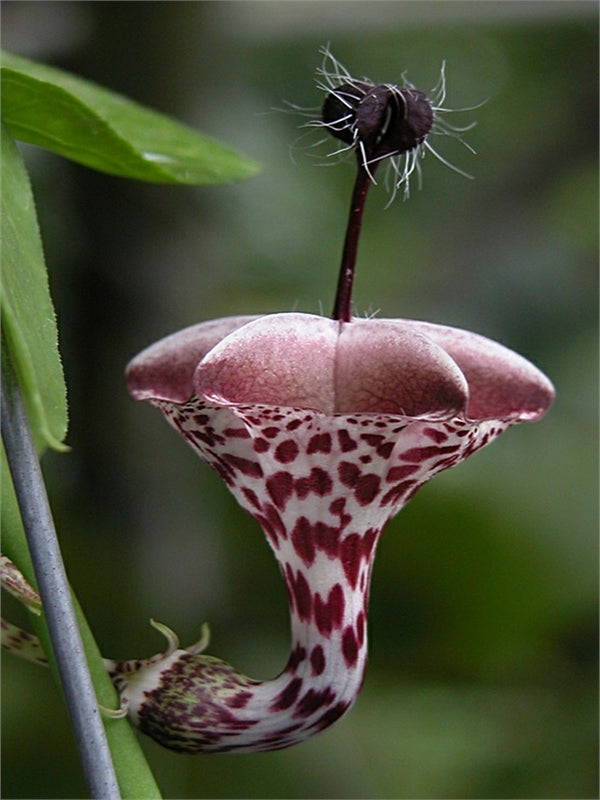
(482, 679)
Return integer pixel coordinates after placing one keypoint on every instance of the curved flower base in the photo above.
(322, 431)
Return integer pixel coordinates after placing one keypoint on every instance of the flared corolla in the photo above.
(322, 430)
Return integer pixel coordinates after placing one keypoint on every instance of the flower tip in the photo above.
(511, 389)
(148, 379)
(537, 397)
(165, 370)
(502, 384)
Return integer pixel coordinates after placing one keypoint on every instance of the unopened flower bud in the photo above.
(383, 120)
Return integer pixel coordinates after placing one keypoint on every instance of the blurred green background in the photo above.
(482, 680)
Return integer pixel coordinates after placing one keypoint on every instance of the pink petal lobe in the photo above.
(279, 359)
(502, 384)
(306, 361)
(164, 371)
(385, 366)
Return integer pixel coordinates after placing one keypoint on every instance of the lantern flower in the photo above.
(322, 429)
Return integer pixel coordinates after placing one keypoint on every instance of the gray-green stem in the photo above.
(54, 590)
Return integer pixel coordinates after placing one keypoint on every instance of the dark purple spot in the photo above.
(337, 508)
(288, 696)
(261, 445)
(251, 497)
(303, 542)
(275, 520)
(351, 553)
(373, 439)
(329, 717)
(270, 432)
(418, 454)
(360, 629)
(435, 434)
(349, 647)
(297, 656)
(327, 538)
(347, 443)
(329, 615)
(368, 542)
(312, 701)
(396, 492)
(367, 488)
(318, 482)
(317, 660)
(239, 700)
(280, 487)
(444, 463)
(295, 423)
(299, 592)
(385, 450)
(209, 437)
(250, 468)
(399, 473)
(348, 473)
(287, 451)
(320, 443)
(237, 433)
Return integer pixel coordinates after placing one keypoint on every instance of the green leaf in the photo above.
(28, 321)
(103, 130)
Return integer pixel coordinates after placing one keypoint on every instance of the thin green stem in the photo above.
(54, 591)
(133, 773)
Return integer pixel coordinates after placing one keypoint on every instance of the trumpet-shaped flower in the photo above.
(322, 431)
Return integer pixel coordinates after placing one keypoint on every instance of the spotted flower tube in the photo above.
(322, 429)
